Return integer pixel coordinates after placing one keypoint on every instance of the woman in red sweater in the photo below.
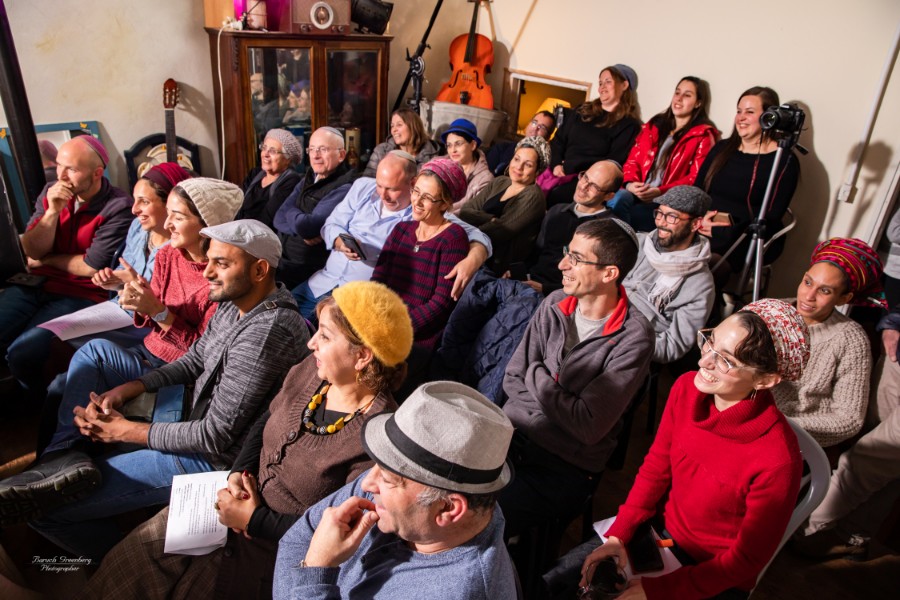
(728, 459)
(667, 152)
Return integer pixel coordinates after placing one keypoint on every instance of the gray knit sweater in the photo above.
(255, 363)
(829, 401)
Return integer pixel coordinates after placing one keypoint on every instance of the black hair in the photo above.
(612, 244)
(757, 350)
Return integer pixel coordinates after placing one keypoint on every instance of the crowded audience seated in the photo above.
(510, 209)
(583, 357)
(725, 462)
(364, 336)
(423, 521)
(735, 174)
(407, 134)
(252, 341)
(368, 214)
(267, 186)
(418, 253)
(595, 186)
(667, 152)
(79, 223)
(602, 129)
(463, 143)
(671, 283)
(830, 400)
(146, 236)
(500, 155)
(300, 218)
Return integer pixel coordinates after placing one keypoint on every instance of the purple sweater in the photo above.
(418, 277)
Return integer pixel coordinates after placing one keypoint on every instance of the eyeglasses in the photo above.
(416, 194)
(459, 144)
(539, 126)
(269, 150)
(579, 261)
(670, 218)
(590, 184)
(722, 364)
(319, 150)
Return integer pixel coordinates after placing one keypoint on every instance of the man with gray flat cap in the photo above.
(671, 283)
(254, 338)
(423, 522)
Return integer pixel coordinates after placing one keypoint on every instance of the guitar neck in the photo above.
(171, 143)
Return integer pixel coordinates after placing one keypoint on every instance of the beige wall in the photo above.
(90, 59)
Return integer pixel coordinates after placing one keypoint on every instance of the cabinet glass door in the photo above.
(280, 91)
(353, 93)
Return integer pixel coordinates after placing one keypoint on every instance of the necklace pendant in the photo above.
(416, 248)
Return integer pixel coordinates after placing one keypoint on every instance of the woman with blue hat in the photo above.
(462, 142)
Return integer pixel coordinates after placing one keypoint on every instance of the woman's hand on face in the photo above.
(612, 548)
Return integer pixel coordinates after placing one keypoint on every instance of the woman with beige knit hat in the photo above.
(305, 446)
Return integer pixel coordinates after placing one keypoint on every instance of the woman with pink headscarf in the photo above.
(419, 253)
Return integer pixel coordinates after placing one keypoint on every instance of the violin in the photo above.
(471, 58)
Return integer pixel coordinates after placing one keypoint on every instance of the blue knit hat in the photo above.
(463, 126)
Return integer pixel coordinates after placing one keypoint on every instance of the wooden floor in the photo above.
(789, 577)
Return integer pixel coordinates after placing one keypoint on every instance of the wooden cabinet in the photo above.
(297, 82)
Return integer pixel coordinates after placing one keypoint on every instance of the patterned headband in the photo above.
(788, 331)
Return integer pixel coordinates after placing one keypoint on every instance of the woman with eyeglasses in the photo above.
(462, 142)
(735, 174)
(419, 253)
(510, 209)
(831, 398)
(267, 186)
(407, 134)
(667, 152)
(603, 128)
(726, 461)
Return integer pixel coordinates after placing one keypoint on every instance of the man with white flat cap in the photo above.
(423, 522)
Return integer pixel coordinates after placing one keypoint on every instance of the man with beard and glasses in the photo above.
(251, 342)
(671, 283)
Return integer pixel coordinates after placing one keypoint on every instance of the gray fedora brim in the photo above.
(383, 451)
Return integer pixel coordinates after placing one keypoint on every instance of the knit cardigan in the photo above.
(830, 399)
(180, 285)
(732, 479)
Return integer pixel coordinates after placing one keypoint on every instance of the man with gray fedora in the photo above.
(423, 522)
(671, 283)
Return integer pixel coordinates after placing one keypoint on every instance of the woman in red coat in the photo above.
(667, 152)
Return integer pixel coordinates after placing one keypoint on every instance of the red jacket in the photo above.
(684, 160)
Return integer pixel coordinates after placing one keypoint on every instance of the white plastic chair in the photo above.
(813, 487)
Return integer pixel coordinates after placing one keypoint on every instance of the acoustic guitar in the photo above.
(168, 151)
(471, 58)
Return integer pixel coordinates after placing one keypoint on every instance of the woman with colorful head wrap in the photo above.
(419, 253)
(725, 458)
(830, 400)
(510, 209)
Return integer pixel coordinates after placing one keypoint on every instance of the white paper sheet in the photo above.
(670, 563)
(193, 527)
(104, 316)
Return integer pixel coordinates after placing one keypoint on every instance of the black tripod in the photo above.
(757, 228)
(416, 71)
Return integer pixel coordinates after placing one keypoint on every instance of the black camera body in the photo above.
(783, 122)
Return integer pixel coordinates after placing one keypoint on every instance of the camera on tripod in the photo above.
(784, 122)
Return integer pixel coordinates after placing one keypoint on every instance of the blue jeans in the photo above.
(130, 481)
(98, 366)
(627, 207)
(25, 345)
(307, 300)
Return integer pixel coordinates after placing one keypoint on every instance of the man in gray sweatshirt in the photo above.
(251, 342)
(584, 356)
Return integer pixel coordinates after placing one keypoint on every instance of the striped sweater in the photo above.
(418, 276)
